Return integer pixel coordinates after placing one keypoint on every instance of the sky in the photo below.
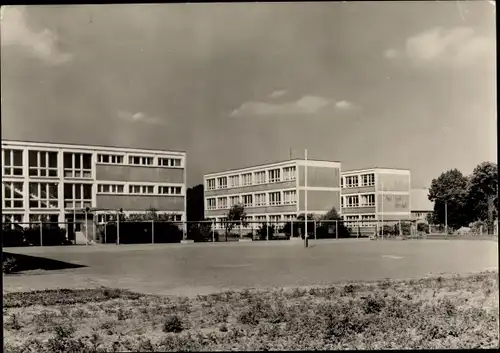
(394, 84)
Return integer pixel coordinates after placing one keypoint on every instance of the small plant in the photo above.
(173, 324)
(9, 265)
(64, 331)
(13, 323)
(248, 317)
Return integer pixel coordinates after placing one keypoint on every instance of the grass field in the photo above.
(440, 312)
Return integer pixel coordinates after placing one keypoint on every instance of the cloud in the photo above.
(457, 46)
(344, 105)
(138, 117)
(306, 105)
(277, 94)
(16, 32)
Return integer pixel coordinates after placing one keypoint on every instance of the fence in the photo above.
(37, 234)
(141, 232)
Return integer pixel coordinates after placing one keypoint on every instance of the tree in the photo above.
(195, 205)
(449, 194)
(326, 229)
(482, 198)
(235, 213)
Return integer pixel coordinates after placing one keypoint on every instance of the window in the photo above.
(210, 184)
(351, 221)
(274, 198)
(260, 177)
(106, 217)
(261, 219)
(352, 201)
(351, 181)
(290, 197)
(13, 195)
(289, 217)
(169, 162)
(170, 190)
(141, 189)
(247, 200)
(367, 179)
(43, 195)
(342, 202)
(221, 202)
(46, 218)
(77, 195)
(234, 181)
(110, 189)
(275, 218)
(274, 175)
(367, 200)
(109, 159)
(260, 199)
(246, 179)
(341, 182)
(289, 173)
(11, 219)
(12, 162)
(211, 204)
(234, 200)
(42, 164)
(222, 182)
(138, 160)
(367, 221)
(77, 165)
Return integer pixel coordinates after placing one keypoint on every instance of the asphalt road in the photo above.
(190, 269)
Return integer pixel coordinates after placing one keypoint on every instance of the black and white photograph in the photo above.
(249, 176)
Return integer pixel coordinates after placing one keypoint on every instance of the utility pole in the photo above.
(446, 217)
(305, 199)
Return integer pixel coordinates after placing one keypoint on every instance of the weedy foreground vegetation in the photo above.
(440, 312)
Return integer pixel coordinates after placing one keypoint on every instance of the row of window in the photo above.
(138, 160)
(352, 221)
(75, 165)
(253, 200)
(354, 181)
(109, 217)
(254, 178)
(358, 201)
(139, 189)
(46, 195)
(254, 220)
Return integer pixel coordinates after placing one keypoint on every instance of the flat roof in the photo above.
(372, 168)
(76, 145)
(267, 164)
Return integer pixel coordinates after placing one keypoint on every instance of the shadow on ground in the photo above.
(27, 263)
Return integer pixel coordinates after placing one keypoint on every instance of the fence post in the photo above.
(241, 229)
(152, 231)
(105, 232)
(314, 229)
(291, 228)
(400, 231)
(336, 229)
(267, 231)
(213, 231)
(118, 229)
(357, 233)
(41, 234)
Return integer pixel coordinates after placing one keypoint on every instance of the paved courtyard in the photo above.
(190, 269)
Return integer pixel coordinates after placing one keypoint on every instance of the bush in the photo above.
(51, 235)
(173, 324)
(262, 232)
(9, 265)
(141, 232)
(423, 227)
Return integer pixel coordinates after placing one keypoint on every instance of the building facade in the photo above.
(57, 182)
(274, 192)
(371, 196)
(421, 206)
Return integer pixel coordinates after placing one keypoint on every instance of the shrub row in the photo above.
(51, 235)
